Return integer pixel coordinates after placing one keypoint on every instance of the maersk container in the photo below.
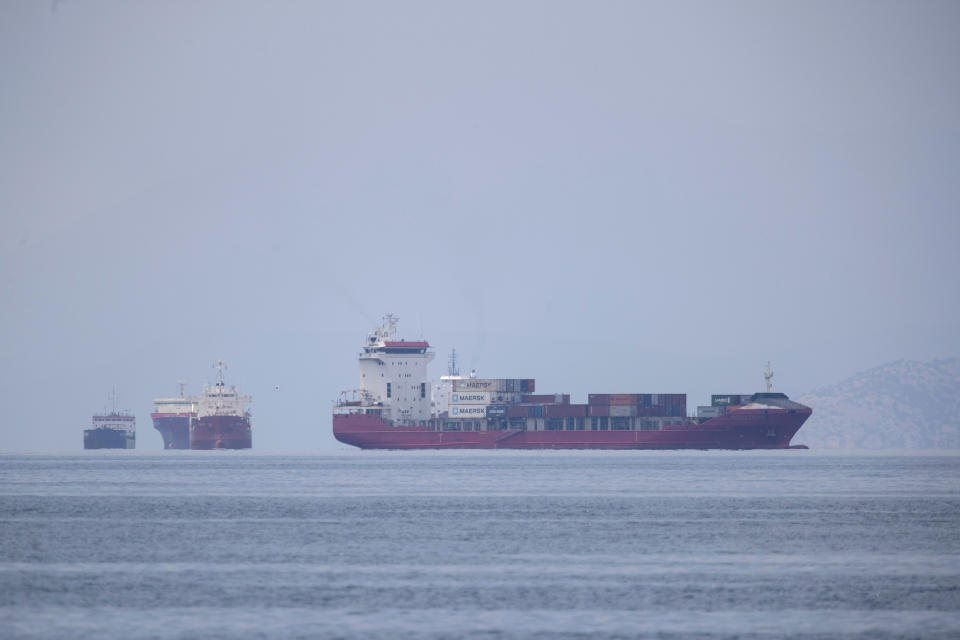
(478, 384)
(470, 397)
(496, 411)
(468, 411)
(504, 385)
(475, 384)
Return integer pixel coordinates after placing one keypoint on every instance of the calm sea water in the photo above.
(482, 545)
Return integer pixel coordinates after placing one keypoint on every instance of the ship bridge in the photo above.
(393, 376)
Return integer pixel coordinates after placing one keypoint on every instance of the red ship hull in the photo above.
(743, 429)
(221, 432)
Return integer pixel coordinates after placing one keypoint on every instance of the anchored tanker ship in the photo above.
(222, 421)
(396, 408)
(172, 418)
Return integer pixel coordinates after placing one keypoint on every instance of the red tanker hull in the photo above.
(743, 429)
(221, 432)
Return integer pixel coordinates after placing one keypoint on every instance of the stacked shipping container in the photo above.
(504, 401)
(730, 399)
(721, 403)
(638, 404)
(503, 385)
(552, 398)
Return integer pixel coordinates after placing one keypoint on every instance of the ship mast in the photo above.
(390, 326)
(452, 368)
(220, 365)
(112, 398)
(768, 376)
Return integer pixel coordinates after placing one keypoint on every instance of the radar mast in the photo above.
(452, 368)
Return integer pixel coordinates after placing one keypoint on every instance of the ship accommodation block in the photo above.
(393, 374)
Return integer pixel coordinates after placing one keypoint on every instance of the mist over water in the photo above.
(480, 544)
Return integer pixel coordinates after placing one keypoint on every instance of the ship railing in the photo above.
(356, 401)
(356, 397)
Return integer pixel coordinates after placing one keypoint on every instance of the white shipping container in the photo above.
(478, 384)
(709, 412)
(623, 410)
(468, 411)
(470, 397)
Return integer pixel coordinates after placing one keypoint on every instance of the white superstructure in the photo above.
(177, 405)
(118, 421)
(219, 399)
(393, 375)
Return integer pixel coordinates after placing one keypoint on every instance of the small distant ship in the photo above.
(172, 418)
(111, 430)
(222, 420)
(396, 407)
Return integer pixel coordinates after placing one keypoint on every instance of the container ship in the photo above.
(172, 418)
(111, 430)
(222, 421)
(395, 407)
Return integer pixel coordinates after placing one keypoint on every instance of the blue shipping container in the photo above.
(496, 411)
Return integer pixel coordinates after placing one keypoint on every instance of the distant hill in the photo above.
(900, 405)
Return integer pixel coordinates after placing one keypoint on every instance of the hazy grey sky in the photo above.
(612, 196)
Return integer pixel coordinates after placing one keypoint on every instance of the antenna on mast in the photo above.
(181, 384)
(220, 365)
(113, 400)
(389, 328)
(768, 376)
(452, 368)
